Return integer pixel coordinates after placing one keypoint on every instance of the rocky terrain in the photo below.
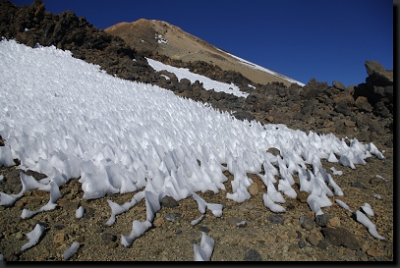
(364, 112)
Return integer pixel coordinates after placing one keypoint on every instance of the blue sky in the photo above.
(327, 40)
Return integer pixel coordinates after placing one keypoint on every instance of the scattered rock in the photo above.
(322, 220)
(322, 244)
(59, 237)
(108, 238)
(363, 105)
(373, 252)
(204, 229)
(306, 223)
(290, 206)
(169, 202)
(253, 189)
(233, 221)
(283, 236)
(358, 184)
(173, 216)
(334, 222)
(299, 235)
(378, 74)
(313, 239)
(276, 219)
(302, 243)
(338, 85)
(252, 255)
(341, 237)
(89, 212)
(302, 196)
(158, 222)
(274, 151)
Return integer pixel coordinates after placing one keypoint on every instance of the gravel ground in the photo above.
(265, 236)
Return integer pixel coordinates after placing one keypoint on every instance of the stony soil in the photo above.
(266, 235)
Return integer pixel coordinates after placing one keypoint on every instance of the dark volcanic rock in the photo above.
(338, 85)
(244, 116)
(276, 219)
(342, 108)
(340, 237)
(108, 238)
(322, 220)
(378, 75)
(252, 255)
(357, 185)
(363, 105)
(168, 201)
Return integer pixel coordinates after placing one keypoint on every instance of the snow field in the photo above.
(68, 119)
(208, 83)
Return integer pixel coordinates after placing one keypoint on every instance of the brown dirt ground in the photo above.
(173, 241)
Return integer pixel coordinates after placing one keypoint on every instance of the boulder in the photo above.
(378, 75)
(363, 105)
(341, 107)
(338, 85)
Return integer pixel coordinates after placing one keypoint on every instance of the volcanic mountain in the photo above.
(166, 39)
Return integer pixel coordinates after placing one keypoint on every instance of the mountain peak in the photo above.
(166, 39)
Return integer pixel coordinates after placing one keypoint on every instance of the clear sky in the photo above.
(327, 40)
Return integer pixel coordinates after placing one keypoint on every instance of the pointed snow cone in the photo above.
(33, 237)
(138, 229)
(203, 253)
(373, 150)
(200, 202)
(368, 209)
(79, 212)
(55, 194)
(6, 158)
(332, 158)
(271, 205)
(152, 205)
(361, 218)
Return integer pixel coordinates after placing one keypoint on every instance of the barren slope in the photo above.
(172, 41)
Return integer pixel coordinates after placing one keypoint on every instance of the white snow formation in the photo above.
(367, 209)
(361, 218)
(196, 221)
(343, 205)
(336, 172)
(68, 119)
(33, 237)
(68, 253)
(382, 178)
(79, 212)
(203, 253)
(208, 83)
